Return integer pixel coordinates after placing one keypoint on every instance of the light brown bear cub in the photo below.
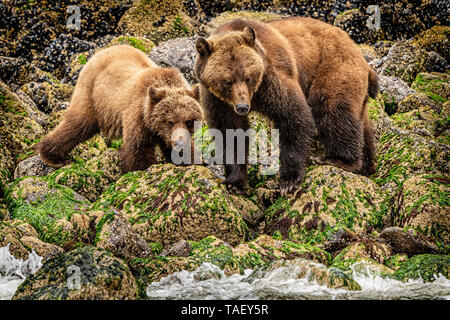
(300, 72)
(122, 93)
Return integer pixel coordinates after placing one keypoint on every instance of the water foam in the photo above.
(209, 282)
(14, 271)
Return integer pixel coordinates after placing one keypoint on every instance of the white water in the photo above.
(209, 282)
(14, 271)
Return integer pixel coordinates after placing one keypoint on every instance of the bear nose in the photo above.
(242, 108)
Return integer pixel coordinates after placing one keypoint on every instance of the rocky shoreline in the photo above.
(125, 232)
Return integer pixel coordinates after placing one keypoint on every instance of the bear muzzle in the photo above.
(242, 109)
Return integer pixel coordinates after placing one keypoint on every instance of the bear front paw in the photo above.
(288, 185)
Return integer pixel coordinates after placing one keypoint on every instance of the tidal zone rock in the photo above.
(259, 253)
(330, 200)
(167, 203)
(86, 273)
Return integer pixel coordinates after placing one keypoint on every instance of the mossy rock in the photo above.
(228, 16)
(435, 39)
(18, 132)
(329, 200)
(46, 206)
(394, 262)
(401, 154)
(330, 277)
(115, 234)
(379, 119)
(416, 101)
(425, 267)
(257, 253)
(22, 239)
(91, 178)
(158, 20)
(372, 254)
(405, 61)
(435, 85)
(423, 205)
(167, 203)
(101, 277)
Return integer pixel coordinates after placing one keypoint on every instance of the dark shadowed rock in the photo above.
(407, 241)
(32, 167)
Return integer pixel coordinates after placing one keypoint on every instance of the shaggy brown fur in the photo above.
(121, 93)
(297, 71)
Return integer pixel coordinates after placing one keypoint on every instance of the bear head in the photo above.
(170, 113)
(231, 67)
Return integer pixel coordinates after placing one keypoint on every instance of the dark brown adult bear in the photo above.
(297, 71)
(122, 93)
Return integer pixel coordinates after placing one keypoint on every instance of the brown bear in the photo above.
(121, 93)
(300, 72)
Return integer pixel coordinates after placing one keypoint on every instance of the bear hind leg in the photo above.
(74, 129)
(342, 136)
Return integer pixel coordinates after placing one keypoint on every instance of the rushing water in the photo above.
(14, 271)
(209, 282)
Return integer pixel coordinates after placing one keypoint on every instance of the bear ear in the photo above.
(203, 47)
(155, 94)
(195, 92)
(249, 36)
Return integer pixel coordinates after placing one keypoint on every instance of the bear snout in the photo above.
(242, 109)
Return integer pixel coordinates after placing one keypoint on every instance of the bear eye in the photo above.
(170, 123)
(189, 123)
(228, 83)
(247, 79)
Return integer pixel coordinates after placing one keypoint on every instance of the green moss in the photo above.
(424, 266)
(82, 59)
(139, 43)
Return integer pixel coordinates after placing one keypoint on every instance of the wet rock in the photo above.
(422, 204)
(407, 241)
(425, 267)
(179, 53)
(46, 206)
(257, 253)
(115, 234)
(101, 277)
(332, 278)
(23, 238)
(363, 251)
(32, 167)
(167, 203)
(329, 200)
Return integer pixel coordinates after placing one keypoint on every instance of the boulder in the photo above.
(424, 266)
(329, 200)
(86, 273)
(422, 204)
(167, 203)
(47, 207)
(22, 239)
